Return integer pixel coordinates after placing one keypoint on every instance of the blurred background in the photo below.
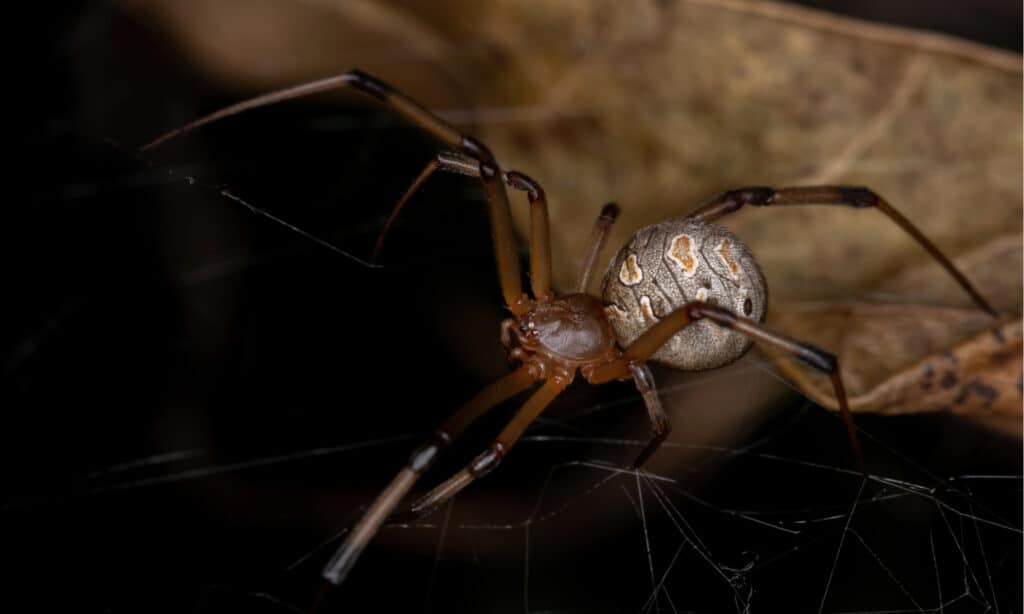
(198, 399)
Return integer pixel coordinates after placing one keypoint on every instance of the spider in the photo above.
(685, 293)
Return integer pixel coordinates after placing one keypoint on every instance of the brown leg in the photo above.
(505, 249)
(506, 334)
(445, 161)
(427, 171)
(660, 425)
(540, 244)
(487, 461)
(540, 236)
(657, 335)
(857, 197)
(347, 554)
(597, 238)
(354, 78)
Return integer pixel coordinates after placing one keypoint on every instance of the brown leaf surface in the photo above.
(681, 103)
(659, 105)
(911, 358)
(903, 358)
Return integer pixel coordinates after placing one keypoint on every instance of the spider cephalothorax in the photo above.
(684, 292)
(568, 333)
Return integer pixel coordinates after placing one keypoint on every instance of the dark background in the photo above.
(149, 315)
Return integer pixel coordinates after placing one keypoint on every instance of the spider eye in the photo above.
(748, 307)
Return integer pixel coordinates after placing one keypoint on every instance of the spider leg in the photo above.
(660, 425)
(427, 171)
(540, 236)
(656, 336)
(597, 238)
(353, 78)
(505, 248)
(849, 196)
(347, 554)
(488, 460)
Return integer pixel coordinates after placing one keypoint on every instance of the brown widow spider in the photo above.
(685, 293)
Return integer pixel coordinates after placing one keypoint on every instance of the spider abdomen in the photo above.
(666, 266)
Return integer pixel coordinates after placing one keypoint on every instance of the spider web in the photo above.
(245, 516)
(582, 532)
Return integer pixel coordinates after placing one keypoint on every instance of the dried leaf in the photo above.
(660, 105)
(898, 358)
(254, 45)
(901, 358)
(687, 101)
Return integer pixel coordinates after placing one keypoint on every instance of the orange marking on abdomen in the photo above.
(723, 251)
(681, 251)
(631, 274)
(616, 312)
(645, 306)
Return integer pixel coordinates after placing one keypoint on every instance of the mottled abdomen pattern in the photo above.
(668, 265)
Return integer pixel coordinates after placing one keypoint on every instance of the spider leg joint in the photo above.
(423, 457)
(487, 461)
